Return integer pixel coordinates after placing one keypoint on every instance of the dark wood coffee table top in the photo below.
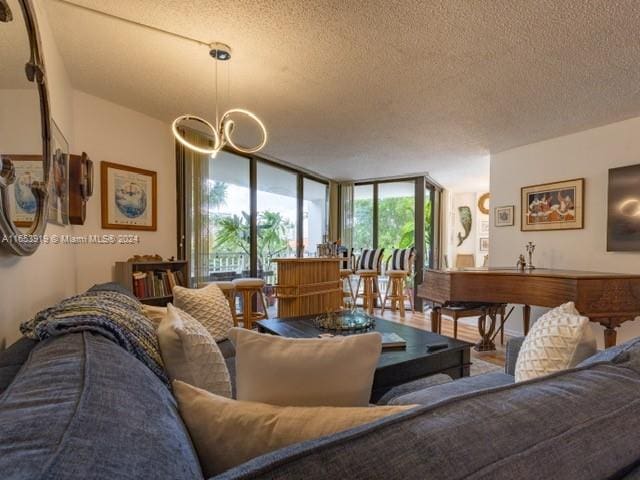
(396, 366)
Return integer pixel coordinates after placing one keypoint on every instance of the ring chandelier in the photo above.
(222, 130)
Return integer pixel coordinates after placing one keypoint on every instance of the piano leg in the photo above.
(436, 316)
(486, 327)
(526, 318)
(609, 337)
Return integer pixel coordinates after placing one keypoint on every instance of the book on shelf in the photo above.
(156, 283)
(392, 341)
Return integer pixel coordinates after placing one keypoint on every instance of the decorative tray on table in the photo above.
(350, 321)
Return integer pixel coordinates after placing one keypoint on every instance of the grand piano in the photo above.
(606, 298)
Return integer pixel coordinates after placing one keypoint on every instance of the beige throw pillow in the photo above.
(155, 314)
(208, 305)
(228, 432)
(558, 340)
(191, 354)
(334, 371)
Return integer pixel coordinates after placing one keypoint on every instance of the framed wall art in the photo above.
(553, 206)
(128, 197)
(59, 178)
(623, 210)
(503, 216)
(28, 169)
(484, 244)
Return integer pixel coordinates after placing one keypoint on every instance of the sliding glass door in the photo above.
(238, 213)
(276, 223)
(396, 215)
(363, 221)
(229, 206)
(314, 215)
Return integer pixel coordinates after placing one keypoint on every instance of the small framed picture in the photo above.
(553, 206)
(59, 178)
(128, 197)
(28, 169)
(484, 227)
(504, 216)
(484, 244)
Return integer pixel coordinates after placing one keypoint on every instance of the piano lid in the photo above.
(537, 272)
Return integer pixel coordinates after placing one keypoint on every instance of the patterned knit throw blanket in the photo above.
(111, 314)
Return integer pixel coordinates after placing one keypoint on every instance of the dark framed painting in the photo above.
(623, 209)
(503, 216)
(553, 206)
(128, 197)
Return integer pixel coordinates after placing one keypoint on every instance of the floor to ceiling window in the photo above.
(431, 207)
(276, 221)
(363, 217)
(238, 213)
(393, 214)
(314, 215)
(229, 206)
(396, 215)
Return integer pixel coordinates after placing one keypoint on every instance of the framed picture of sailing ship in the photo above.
(129, 197)
(553, 206)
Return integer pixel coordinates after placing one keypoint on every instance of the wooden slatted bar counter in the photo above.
(308, 286)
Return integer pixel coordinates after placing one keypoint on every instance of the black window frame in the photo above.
(301, 175)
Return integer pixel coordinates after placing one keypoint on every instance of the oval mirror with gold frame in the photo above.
(25, 130)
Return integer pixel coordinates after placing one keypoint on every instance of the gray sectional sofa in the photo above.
(80, 407)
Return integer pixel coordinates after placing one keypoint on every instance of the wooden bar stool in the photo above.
(399, 266)
(345, 276)
(397, 295)
(368, 270)
(346, 270)
(370, 291)
(229, 291)
(248, 288)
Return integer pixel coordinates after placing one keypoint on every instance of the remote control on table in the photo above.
(436, 346)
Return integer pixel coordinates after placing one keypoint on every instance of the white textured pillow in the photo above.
(208, 305)
(227, 432)
(191, 354)
(558, 340)
(334, 371)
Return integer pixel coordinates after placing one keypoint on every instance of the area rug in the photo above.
(478, 367)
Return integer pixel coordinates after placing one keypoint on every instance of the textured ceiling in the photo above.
(365, 88)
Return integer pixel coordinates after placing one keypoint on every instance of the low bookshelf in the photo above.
(152, 281)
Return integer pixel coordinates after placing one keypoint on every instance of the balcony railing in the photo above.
(227, 266)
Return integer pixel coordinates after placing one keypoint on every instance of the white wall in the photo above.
(472, 243)
(587, 154)
(107, 132)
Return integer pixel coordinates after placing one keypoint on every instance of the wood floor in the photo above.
(466, 332)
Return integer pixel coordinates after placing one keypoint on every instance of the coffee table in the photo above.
(396, 366)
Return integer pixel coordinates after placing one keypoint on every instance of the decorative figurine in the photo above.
(521, 263)
(530, 248)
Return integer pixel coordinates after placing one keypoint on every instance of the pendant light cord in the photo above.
(133, 22)
(215, 59)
